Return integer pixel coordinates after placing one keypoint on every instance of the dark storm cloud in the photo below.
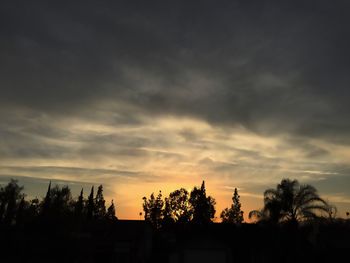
(271, 66)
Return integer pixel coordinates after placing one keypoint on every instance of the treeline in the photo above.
(290, 202)
(180, 207)
(60, 228)
(57, 206)
(184, 207)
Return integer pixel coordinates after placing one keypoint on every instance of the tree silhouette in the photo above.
(179, 206)
(111, 212)
(10, 198)
(21, 211)
(290, 202)
(234, 214)
(33, 210)
(168, 218)
(61, 202)
(56, 208)
(203, 207)
(79, 205)
(46, 202)
(153, 208)
(2, 203)
(100, 203)
(270, 213)
(90, 204)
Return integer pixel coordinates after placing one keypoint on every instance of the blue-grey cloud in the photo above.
(271, 66)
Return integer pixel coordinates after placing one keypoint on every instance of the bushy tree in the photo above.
(167, 213)
(179, 206)
(202, 207)
(61, 202)
(234, 214)
(10, 198)
(153, 209)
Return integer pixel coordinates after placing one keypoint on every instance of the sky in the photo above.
(157, 95)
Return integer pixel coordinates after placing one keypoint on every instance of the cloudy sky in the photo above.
(161, 95)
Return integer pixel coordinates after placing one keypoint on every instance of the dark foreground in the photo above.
(135, 241)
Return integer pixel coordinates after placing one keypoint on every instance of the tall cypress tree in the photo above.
(234, 214)
(79, 205)
(100, 203)
(91, 204)
(47, 202)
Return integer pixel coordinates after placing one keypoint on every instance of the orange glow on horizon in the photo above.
(129, 206)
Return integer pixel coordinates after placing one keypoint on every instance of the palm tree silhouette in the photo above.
(290, 202)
